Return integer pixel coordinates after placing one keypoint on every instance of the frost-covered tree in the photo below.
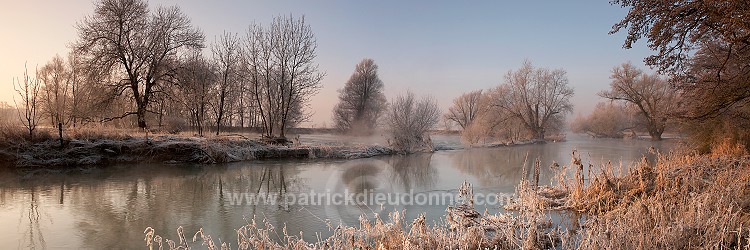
(55, 80)
(197, 87)
(538, 98)
(465, 109)
(137, 46)
(28, 105)
(609, 120)
(226, 61)
(653, 97)
(704, 46)
(361, 101)
(492, 122)
(408, 120)
(279, 66)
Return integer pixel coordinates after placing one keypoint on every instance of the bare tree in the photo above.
(609, 119)
(704, 46)
(28, 91)
(465, 109)
(652, 95)
(55, 80)
(298, 74)
(78, 95)
(259, 70)
(718, 77)
(124, 38)
(361, 101)
(493, 122)
(409, 120)
(197, 80)
(538, 98)
(226, 58)
(279, 65)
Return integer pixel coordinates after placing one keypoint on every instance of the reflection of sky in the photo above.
(106, 207)
(502, 167)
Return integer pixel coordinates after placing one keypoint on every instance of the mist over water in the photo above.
(110, 207)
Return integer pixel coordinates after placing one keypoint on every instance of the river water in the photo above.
(110, 208)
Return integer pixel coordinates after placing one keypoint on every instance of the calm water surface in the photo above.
(110, 208)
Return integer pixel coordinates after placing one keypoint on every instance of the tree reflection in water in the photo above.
(106, 208)
(33, 236)
(362, 176)
(504, 167)
(396, 173)
(390, 175)
(27, 202)
(413, 171)
(103, 209)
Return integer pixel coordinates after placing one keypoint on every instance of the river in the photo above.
(107, 208)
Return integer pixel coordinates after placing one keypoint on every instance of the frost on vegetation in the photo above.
(173, 149)
(408, 121)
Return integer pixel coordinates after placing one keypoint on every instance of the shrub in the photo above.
(408, 120)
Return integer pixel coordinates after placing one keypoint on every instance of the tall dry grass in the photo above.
(99, 132)
(11, 133)
(685, 200)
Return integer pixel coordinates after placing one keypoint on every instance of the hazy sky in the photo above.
(440, 48)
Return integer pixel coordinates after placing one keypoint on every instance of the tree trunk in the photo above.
(655, 135)
(141, 113)
(540, 135)
(200, 117)
(59, 129)
(220, 116)
(161, 114)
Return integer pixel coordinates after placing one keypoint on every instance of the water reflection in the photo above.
(24, 216)
(365, 179)
(33, 236)
(362, 176)
(505, 166)
(104, 208)
(492, 167)
(413, 171)
(110, 208)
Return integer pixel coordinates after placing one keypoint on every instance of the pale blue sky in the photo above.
(440, 48)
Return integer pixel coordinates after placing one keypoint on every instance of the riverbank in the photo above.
(168, 149)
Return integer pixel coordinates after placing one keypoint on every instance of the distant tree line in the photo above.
(136, 66)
